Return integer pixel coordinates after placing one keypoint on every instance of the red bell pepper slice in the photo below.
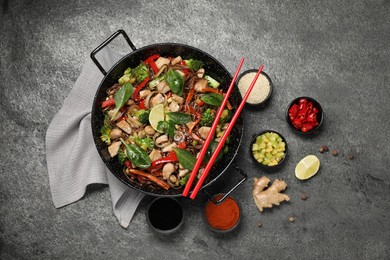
(142, 104)
(315, 110)
(151, 62)
(312, 117)
(293, 111)
(185, 71)
(109, 102)
(307, 127)
(297, 123)
(171, 157)
(138, 89)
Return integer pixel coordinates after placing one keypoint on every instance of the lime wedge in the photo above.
(307, 167)
(156, 115)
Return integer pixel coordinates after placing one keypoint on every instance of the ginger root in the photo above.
(271, 196)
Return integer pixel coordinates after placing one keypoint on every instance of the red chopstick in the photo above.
(224, 137)
(210, 136)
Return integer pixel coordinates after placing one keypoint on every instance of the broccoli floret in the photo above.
(141, 72)
(225, 116)
(127, 71)
(122, 157)
(207, 118)
(194, 64)
(145, 143)
(143, 116)
(211, 82)
(105, 134)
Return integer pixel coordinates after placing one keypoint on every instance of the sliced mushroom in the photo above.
(204, 131)
(200, 73)
(115, 133)
(114, 148)
(124, 126)
(169, 148)
(161, 141)
(144, 93)
(200, 85)
(163, 87)
(158, 99)
(174, 106)
(149, 130)
(176, 60)
(167, 170)
(155, 155)
(162, 61)
(178, 99)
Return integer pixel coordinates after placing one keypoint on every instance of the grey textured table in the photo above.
(335, 51)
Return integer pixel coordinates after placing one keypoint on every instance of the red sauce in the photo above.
(224, 215)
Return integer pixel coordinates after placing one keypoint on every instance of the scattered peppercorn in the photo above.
(303, 196)
(292, 218)
(335, 153)
(326, 148)
(350, 156)
(259, 225)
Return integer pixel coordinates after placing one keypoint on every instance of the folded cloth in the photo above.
(72, 158)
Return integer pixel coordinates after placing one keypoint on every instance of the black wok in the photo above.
(213, 67)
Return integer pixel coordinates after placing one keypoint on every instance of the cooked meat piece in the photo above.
(204, 131)
(200, 85)
(124, 126)
(162, 61)
(157, 99)
(163, 87)
(114, 148)
(176, 60)
(115, 133)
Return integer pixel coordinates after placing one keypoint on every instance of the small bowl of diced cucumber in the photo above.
(269, 150)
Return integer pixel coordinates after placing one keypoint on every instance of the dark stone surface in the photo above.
(335, 51)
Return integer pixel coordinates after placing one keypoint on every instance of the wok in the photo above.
(213, 68)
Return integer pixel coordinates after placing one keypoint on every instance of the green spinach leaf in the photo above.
(179, 118)
(212, 99)
(121, 96)
(175, 82)
(138, 156)
(185, 158)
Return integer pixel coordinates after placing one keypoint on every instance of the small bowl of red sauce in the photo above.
(222, 217)
(305, 115)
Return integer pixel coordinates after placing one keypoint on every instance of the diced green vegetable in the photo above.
(225, 116)
(105, 134)
(144, 143)
(212, 82)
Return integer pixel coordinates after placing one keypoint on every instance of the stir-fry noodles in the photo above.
(157, 118)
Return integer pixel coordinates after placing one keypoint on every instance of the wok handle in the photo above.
(244, 177)
(105, 43)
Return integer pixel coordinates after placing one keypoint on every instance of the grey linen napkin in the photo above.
(72, 159)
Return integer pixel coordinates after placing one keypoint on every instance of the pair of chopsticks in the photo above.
(211, 135)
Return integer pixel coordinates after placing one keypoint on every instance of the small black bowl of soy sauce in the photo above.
(165, 215)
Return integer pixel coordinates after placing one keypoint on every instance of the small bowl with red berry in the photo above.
(305, 115)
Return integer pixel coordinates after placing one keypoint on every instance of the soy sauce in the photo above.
(165, 214)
